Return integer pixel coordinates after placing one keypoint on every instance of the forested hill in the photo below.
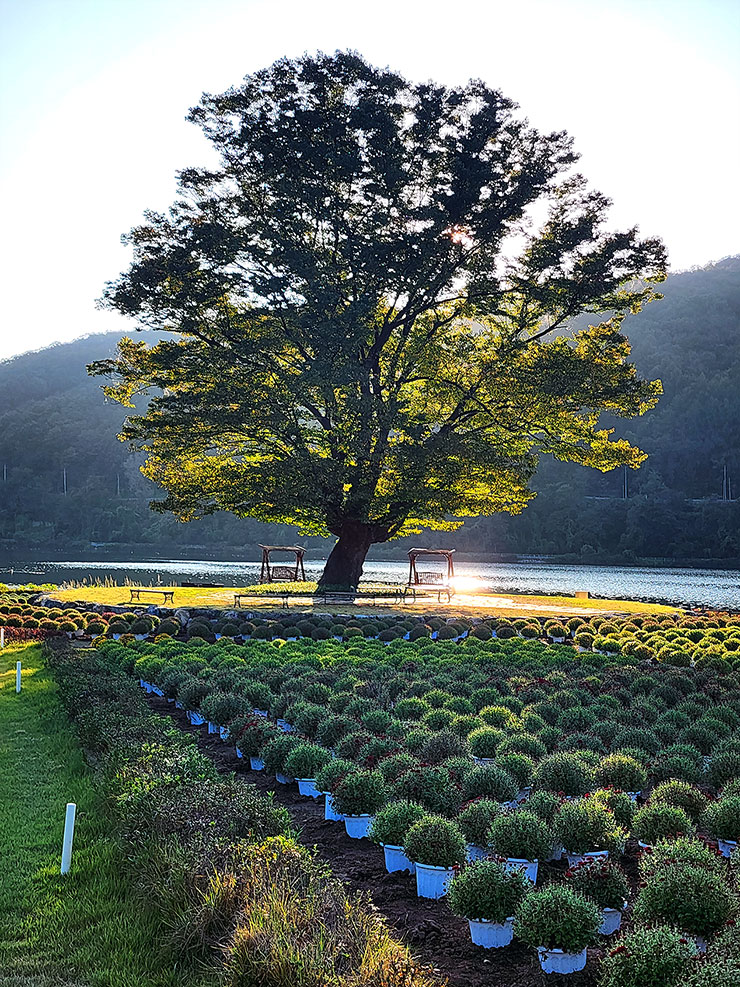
(53, 418)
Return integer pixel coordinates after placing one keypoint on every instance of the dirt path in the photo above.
(434, 935)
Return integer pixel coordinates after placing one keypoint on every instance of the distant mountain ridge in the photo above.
(53, 418)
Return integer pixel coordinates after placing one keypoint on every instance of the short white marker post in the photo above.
(2, 637)
(69, 832)
(17, 676)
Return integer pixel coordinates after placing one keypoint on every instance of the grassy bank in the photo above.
(504, 605)
(85, 927)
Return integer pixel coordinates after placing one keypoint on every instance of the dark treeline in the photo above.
(53, 418)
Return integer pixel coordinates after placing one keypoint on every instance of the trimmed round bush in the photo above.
(689, 898)
(486, 890)
(680, 793)
(587, 825)
(360, 793)
(658, 821)
(393, 821)
(435, 841)
(485, 741)
(601, 881)
(722, 818)
(489, 781)
(652, 957)
(563, 772)
(305, 760)
(556, 917)
(333, 772)
(475, 820)
(521, 835)
(621, 771)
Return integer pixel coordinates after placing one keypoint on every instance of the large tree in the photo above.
(373, 295)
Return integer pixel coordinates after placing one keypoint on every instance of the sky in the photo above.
(93, 97)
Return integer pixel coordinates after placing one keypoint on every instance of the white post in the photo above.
(2, 637)
(69, 832)
(17, 676)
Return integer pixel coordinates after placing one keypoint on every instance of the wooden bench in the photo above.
(136, 594)
(435, 580)
(252, 596)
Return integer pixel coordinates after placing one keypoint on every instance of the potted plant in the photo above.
(522, 838)
(484, 743)
(274, 755)
(437, 846)
(604, 883)
(563, 772)
(650, 957)
(587, 829)
(560, 924)
(689, 898)
(490, 781)
(686, 796)
(327, 779)
(357, 797)
(475, 822)
(659, 821)
(389, 828)
(251, 734)
(722, 820)
(487, 894)
(302, 764)
(622, 772)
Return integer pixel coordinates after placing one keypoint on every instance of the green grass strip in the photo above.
(86, 928)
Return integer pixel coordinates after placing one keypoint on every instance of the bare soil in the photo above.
(434, 936)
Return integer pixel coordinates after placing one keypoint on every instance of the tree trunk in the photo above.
(343, 568)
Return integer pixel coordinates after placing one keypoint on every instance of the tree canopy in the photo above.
(373, 297)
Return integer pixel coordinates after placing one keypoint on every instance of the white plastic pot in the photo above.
(611, 921)
(432, 881)
(484, 760)
(196, 719)
(256, 763)
(557, 854)
(528, 867)
(557, 961)
(223, 733)
(357, 826)
(578, 858)
(491, 935)
(330, 812)
(212, 727)
(474, 852)
(726, 847)
(259, 712)
(284, 725)
(307, 786)
(238, 753)
(396, 859)
(634, 795)
(283, 779)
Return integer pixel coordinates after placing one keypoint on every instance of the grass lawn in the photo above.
(84, 928)
(505, 605)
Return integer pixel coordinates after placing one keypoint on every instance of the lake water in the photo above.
(686, 587)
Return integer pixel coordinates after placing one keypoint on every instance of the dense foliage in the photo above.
(48, 406)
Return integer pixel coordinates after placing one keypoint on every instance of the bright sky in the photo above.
(93, 95)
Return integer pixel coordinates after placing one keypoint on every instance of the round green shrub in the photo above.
(305, 760)
(563, 772)
(557, 918)
(680, 793)
(360, 793)
(489, 781)
(587, 825)
(393, 821)
(658, 821)
(650, 957)
(435, 841)
(487, 891)
(521, 835)
(722, 818)
(601, 881)
(475, 820)
(620, 771)
(690, 898)
(333, 772)
(485, 741)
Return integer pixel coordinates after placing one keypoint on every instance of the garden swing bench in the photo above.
(270, 573)
(436, 580)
